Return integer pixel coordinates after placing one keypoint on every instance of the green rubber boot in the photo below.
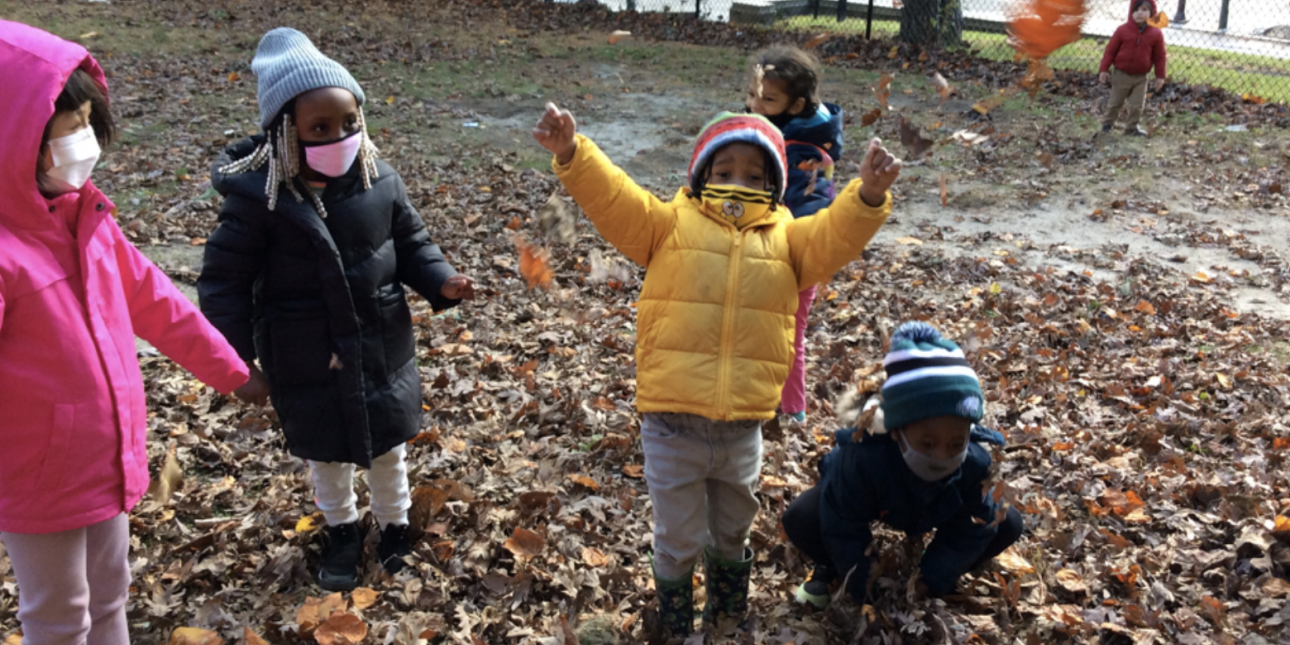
(675, 603)
(727, 586)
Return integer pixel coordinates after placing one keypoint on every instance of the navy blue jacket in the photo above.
(868, 480)
(812, 140)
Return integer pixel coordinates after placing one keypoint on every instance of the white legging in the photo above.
(387, 480)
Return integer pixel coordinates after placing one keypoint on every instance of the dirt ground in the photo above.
(1126, 301)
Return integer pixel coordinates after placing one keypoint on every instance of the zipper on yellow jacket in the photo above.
(724, 351)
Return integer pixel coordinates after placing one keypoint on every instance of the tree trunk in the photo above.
(932, 23)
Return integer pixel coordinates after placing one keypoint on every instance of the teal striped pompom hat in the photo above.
(928, 376)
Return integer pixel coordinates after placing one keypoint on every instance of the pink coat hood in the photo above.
(74, 293)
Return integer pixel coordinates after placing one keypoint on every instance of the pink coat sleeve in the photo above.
(163, 316)
(1112, 47)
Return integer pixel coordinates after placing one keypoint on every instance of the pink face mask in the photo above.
(333, 158)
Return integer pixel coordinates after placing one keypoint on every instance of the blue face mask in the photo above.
(930, 468)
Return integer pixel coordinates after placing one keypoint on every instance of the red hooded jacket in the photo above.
(1135, 50)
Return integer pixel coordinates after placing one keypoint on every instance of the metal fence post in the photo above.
(817, 8)
(868, 22)
(1181, 16)
(842, 10)
(698, 11)
(1222, 16)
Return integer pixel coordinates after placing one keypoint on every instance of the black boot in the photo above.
(395, 545)
(727, 585)
(340, 560)
(676, 604)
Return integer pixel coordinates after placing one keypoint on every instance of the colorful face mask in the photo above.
(74, 157)
(930, 468)
(735, 204)
(333, 158)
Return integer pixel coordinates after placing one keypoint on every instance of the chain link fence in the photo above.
(1242, 46)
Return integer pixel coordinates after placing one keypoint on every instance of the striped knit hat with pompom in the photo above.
(731, 127)
(928, 376)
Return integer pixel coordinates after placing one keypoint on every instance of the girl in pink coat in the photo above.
(74, 293)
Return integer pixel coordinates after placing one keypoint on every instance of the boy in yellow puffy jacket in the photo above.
(724, 262)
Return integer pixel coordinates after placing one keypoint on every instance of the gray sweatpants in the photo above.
(702, 477)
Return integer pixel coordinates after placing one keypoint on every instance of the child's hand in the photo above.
(458, 287)
(555, 132)
(255, 389)
(1104, 78)
(1160, 84)
(879, 171)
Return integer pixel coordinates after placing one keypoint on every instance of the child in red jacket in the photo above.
(1134, 49)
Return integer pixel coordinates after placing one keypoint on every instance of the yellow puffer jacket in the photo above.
(714, 330)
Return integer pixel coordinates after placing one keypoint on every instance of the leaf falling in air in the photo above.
(817, 41)
(170, 479)
(533, 265)
(942, 87)
(913, 140)
(558, 220)
(883, 91)
(1040, 27)
(869, 118)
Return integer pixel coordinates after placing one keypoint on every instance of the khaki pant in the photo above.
(702, 477)
(1126, 87)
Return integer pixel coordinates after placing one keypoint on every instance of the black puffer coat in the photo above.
(320, 303)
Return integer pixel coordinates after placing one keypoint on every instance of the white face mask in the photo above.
(930, 468)
(334, 157)
(74, 157)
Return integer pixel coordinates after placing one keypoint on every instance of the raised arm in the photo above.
(826, 242)
(628, 216)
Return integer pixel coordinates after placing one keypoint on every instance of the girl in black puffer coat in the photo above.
(306, 273)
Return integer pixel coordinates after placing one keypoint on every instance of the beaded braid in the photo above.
(281, 151)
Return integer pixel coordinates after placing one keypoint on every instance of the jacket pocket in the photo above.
(301, 345)
(54, 466)
(397, 339)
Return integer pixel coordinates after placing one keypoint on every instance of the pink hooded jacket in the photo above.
(72, 418)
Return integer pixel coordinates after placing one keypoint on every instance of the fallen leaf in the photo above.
(583, 480)
(310, 523)
(251, 638)
(233, 77)
(635, 471)
(524, 543)
(594, 557)
(364, 597)
(341, 629)
(194, 636)
(1071, 581)
(1014, 562)
(945, 193)
(907, 241)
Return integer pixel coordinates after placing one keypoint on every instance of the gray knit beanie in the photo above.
(287, 65)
